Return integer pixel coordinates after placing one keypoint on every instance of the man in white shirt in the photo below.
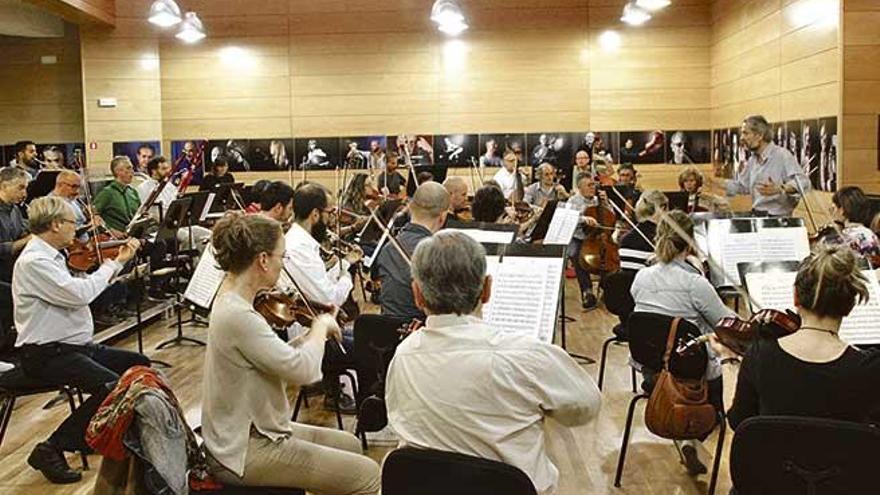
(159, 169)
(329, 286)
(462, 385)
(506, 177)
(55, 329)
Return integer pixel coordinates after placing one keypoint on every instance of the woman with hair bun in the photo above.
(246, 413)
(811, 372)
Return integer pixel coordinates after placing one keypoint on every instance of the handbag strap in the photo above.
(670, 342)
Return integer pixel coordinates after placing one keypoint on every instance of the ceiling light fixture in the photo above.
(634, 15)
(448, 17)
(165, 13)
(191, 30)
(653, 5)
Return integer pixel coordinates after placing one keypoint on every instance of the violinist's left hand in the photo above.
(355, 255)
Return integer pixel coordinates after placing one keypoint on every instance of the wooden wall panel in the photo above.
(776, 57)
(861, 86)
(41, 102)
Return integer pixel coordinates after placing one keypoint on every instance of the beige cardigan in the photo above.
(247, 368)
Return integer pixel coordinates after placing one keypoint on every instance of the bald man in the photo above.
(458, 191)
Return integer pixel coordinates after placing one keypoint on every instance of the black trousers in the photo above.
(374, 346)
(7, 332)
(92, 368)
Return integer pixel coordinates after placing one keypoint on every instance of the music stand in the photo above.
(179, 216)
(543, 223)
(199, 202)
(678, 200)
(223, 193)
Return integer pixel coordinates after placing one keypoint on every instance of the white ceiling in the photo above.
(20, 19)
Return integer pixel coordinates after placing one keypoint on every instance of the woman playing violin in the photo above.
(810, 372)
(690, 180)
(674, 287)
(246, 424)
(851, 213)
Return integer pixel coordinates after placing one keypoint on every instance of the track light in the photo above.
(164, 13)
(449, 17)
(191, 30)
(652, 5)
(634, 15)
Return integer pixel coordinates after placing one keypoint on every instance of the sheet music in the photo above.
(207, 208)
(525, 294)
(761, 245)
(206, 280)
(488, 236)
(562, 226)
(862, 327)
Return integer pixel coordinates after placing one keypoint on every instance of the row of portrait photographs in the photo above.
(52, 155)
(813, 143)
(454, 150)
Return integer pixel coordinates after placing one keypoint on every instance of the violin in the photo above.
(282, 309)
(738, 335)
(599, 253)
(87, 256)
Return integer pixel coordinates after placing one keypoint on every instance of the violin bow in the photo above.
(627, 219)
(80, 164)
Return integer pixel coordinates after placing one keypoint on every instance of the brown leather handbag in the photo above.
(679, 408)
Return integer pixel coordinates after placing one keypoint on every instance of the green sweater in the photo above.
(117, 204)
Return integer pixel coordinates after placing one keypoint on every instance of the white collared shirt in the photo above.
(51, 305)
(307, 268)
(776, 164)
(463, 386)
(168, 194)
(507, 181)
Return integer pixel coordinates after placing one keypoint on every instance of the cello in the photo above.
(599, 253)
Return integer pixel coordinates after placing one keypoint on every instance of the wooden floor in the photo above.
(586, 456)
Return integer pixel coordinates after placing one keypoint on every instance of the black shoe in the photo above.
(346, 403)
(588, 300)
(691, 461)
(50, 461)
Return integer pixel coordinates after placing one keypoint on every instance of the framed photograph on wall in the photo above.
(364, 152)
(270, 154)
(420, 148)
(828, 154)
(317, 153)
(456, 150)
(687, 147)
(236, 152)
(641, 148)
(139, 152)
(809, 157)
(186, 152)
(493, 147)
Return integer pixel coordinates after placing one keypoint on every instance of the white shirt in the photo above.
(51, 305)
(507, 181)
(462, 386)
(168, 194)
(307, 268)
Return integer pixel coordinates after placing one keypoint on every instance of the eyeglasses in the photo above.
(67, 220)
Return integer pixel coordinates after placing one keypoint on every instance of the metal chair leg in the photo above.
(72, 402)
(621, 458)
(300, 397)
(8, 402)
(605, 345)
(722, 429)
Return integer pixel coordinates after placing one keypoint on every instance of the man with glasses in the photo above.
(329, 286)
(55, 329)
(67, 187)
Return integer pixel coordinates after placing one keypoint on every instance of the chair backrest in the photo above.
(648, 333)
(410, 471)
(616, 286)
(815, 456)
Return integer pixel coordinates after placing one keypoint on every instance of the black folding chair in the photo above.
(410, 471)
(648, 333)
(619, 302)
(14, 385)
(813, 456)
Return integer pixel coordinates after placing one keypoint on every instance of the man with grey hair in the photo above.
(13, 238)
(545, 188)
(55, 329)
(771, 174)
(462, 385)
(118, 201)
